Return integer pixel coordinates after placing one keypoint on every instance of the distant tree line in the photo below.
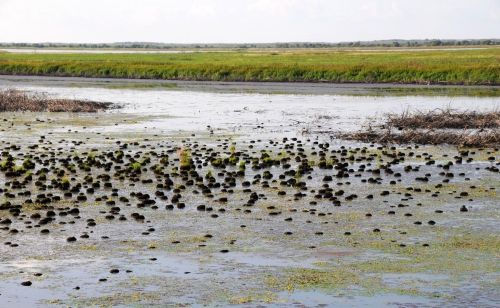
(150, 45)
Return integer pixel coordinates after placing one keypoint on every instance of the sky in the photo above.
(240, 21)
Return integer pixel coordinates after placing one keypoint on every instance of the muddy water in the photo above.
(325, 255)
(245, 113)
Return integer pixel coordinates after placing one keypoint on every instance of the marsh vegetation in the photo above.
(459, 67)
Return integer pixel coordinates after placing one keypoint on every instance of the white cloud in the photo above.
(245, 21)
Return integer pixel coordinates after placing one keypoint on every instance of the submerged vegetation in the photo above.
(471, 67)
(15, 100)
(246, 200)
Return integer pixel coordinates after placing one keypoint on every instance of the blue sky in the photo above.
(205, 21)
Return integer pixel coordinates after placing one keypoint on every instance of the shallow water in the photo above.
(254, 113)
(262, 266)
(89, 51)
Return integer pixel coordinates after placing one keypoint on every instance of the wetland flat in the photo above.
(192, 198)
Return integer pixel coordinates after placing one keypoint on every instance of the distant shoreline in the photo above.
(385, 43)
(125, 50)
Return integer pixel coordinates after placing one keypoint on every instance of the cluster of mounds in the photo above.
(14, 100)
(443, 126)
(43, 186)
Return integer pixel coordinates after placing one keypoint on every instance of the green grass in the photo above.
(474, 67)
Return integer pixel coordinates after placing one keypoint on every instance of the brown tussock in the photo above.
(14, 100)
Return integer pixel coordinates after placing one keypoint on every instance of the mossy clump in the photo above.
(305, 278)
(185, 161)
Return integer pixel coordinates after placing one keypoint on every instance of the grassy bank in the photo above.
(472, 67)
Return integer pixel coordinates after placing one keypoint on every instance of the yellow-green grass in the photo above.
(474, 67)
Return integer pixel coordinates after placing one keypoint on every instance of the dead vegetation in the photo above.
(444, 118)
(443, 126)
(15, 100)
(462, 138)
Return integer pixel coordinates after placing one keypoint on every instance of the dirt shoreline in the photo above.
(319, 88)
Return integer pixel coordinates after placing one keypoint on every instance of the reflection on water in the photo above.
(246, 112)
(96, 51)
